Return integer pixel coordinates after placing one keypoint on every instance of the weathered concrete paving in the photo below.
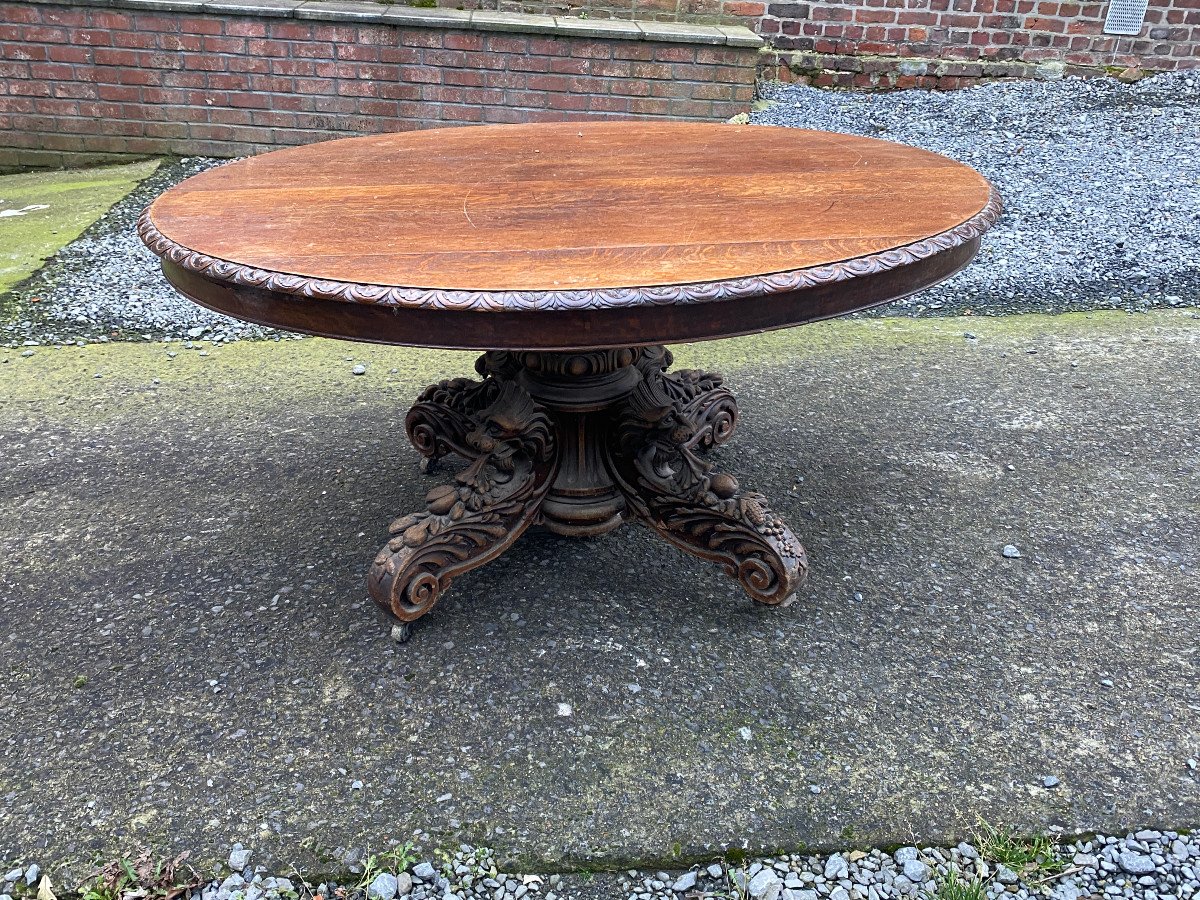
(189, 658)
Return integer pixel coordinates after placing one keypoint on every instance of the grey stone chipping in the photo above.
(1136, 863)
(836, 867)
(239, 858)
(765, 885)
(383, 887)
(1100, 182)
(684, 882)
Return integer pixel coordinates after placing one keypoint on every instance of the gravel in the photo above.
(107, 286)
(1147, 865)
(383, 887)
(1100, 181)
(239, 858)
(1101, 184)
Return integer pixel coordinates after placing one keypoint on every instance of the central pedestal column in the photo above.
(579, 390)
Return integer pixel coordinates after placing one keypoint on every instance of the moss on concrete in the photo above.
(856, 334)
(73, 200)
(119, 372)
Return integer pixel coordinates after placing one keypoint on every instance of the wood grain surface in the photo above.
(569, 206)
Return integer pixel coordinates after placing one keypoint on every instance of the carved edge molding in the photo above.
(223, 270)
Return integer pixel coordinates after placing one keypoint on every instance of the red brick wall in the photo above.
(950, 43)
(994, 38)
(92, 80)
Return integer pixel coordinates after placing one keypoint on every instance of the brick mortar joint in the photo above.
(363, 13)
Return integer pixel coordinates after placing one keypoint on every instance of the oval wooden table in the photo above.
(571, 253)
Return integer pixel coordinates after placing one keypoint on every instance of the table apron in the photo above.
(580, 329)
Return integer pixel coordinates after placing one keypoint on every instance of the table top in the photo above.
(579, 219)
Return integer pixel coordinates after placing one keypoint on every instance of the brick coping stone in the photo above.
(465, 20)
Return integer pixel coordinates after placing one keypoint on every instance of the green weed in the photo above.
(144, 877)
(955, 887)
(393, 861)
(1024, 855)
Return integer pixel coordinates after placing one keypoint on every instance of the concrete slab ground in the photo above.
(189, 657)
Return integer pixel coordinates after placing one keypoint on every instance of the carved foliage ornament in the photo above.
(487, 507)
(676, 492)
(602, 298)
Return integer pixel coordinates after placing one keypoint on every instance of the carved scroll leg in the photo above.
(670, 488)
(476, 518)
(461, 530)
(442, 417)
(733, 528)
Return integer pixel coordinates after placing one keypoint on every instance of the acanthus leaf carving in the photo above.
(672, 489)
(478, 516)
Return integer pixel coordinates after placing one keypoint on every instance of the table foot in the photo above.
(662, 428)
(481, 514)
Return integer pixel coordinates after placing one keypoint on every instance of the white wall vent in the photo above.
(1125, 16)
